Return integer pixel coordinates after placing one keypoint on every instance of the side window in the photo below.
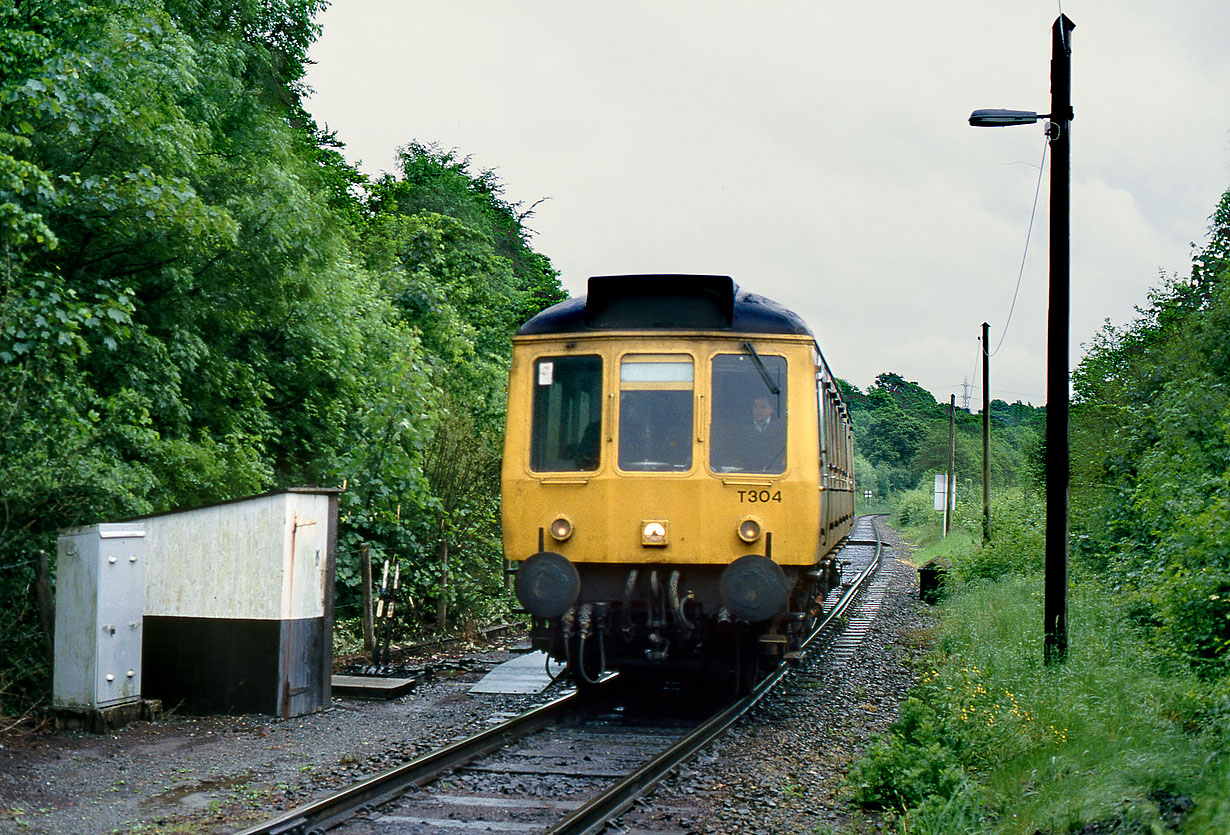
(822, 414)
(747, 427)
(655, 412)
(567, 425)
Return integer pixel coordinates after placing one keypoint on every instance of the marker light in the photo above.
(653, 533)
(561, 529)
(749, 530)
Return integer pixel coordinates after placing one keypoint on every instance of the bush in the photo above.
(911, 765)
(1018, 532)
(915, 508)
(1114, 733)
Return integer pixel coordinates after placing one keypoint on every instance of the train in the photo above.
(677, 478)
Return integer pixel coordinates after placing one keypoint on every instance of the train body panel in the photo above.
(700, 506)
(677, 473)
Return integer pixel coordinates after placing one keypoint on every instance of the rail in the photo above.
(591, 817)
(338, 806)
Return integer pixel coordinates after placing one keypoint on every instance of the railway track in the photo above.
(572, 765)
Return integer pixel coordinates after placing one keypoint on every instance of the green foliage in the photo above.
(956, 812)
(909, 396)
(889, 435)
(1017, 539)
(455, 260)
(916, 509)
(902, 432)
(199, 302)
(1151, 462)
(909, 766)
(992, 734)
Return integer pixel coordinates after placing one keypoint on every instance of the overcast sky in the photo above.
(818, 152)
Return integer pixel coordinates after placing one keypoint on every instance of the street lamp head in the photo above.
(999, 118)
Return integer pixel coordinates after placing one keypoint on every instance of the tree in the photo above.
(181, 319)
(454, 258)
(1151, 431)
(890, 436)
(909, 396)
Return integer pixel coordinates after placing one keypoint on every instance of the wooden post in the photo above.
(1058, 455)
(986, 434)
(951, 492)
(442, 605)
(46, 605)
(365, 573)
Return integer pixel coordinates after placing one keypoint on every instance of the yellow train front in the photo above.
(676, 479)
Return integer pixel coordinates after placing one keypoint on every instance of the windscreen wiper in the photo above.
(764, 372)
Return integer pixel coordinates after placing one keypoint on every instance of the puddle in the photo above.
(198, 794)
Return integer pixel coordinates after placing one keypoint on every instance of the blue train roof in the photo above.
(666, 302)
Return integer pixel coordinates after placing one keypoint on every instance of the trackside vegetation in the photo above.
(1131, 733)
(201, 300)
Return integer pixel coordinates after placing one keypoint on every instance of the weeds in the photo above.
(993, 740)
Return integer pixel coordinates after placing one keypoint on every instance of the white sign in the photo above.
(546, 373)
(941, 491)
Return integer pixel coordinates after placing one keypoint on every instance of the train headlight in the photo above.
(653, 532)
(749, 530)
(561, 529)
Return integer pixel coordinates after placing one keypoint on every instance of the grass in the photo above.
(958, 541)
(1092, 738)
(993, 740)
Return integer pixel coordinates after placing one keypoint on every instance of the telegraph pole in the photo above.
(986, 433)
(950, 490)
(1058, 456)
(1055, 606)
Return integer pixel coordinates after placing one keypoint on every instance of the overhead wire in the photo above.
(977, 363)
(1024, 255)
(1028, 234)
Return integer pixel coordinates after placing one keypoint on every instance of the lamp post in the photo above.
(1055, 607)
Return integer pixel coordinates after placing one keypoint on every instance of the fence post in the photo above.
(442, 606)
(46, 605)
(365, 572)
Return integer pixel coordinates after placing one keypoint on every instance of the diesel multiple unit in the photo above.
(677, 476)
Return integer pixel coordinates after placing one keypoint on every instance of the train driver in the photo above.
(764, 441)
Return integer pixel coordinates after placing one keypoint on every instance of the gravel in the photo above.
(783, 769)
(780, 771)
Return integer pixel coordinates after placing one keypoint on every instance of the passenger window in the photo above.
(821, 413)
(655, 413)
(567, 423)
(747, 427)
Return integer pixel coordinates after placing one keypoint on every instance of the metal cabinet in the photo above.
(100, 605)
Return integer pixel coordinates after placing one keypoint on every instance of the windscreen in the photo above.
(567, 423)
(655, 412)
(747, 426)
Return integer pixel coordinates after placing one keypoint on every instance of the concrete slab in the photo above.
(525, 674)
(372, 687)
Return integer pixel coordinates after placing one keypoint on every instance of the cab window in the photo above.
(655, 412)
(747, 427)
(567, 422)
